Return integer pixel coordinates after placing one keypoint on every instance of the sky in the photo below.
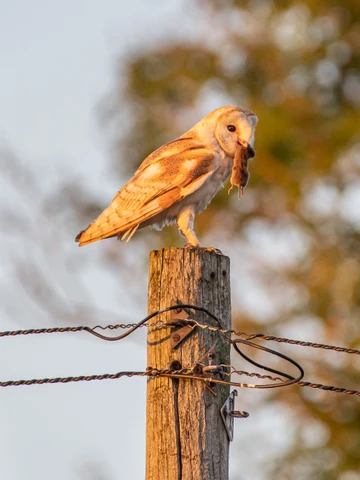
(58, 61)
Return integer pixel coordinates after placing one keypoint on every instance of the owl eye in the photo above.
(231, 128)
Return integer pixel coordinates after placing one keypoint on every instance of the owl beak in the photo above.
(248, 148)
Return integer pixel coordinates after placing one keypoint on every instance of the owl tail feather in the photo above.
(89, 235)
(92, 234)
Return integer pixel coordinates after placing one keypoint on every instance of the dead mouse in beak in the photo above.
(240, 174)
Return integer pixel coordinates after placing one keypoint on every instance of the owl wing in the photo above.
(164, 178)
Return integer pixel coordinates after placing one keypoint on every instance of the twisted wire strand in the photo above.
(161, 324)
(80, 328)
(38, 331)
(271, 338)
(190, 373)
(185, 373)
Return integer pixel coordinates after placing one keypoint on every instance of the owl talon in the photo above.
(215, 250)
(190, 245)
(179, 179)
(208, 249)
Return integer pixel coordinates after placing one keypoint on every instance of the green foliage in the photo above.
(296, 64)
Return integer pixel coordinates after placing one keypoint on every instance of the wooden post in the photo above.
(185, 435)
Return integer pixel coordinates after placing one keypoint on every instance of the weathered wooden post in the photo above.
(185, 435)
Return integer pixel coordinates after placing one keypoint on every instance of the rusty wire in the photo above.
(184, 373)
(81, 328)
(191, 373)
(161, 324)
(82, 378)
(272, 338)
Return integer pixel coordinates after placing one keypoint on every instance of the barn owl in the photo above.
(179, 179)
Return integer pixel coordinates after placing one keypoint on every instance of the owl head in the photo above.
(229, 126)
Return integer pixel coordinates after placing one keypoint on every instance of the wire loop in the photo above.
(198, 372)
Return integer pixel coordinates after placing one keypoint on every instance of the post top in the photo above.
(195, 251)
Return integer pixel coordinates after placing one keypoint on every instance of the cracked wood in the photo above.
(202, 278)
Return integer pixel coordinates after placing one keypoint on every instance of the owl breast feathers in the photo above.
(179, 179)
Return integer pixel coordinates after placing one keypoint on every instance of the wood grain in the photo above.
(202, 278)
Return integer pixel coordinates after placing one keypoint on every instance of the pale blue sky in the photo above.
(57, 63)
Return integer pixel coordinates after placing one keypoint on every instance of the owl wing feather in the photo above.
(175, 147)
(161, 180)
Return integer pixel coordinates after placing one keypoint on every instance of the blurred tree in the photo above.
(295, 235)
(43, 277)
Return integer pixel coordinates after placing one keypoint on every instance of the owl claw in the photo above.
(215, 250)
(180, 179)
(208, 249)
(190, 245)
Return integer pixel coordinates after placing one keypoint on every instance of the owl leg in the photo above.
(185, 223)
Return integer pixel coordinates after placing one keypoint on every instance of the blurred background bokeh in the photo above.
(74, 130)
